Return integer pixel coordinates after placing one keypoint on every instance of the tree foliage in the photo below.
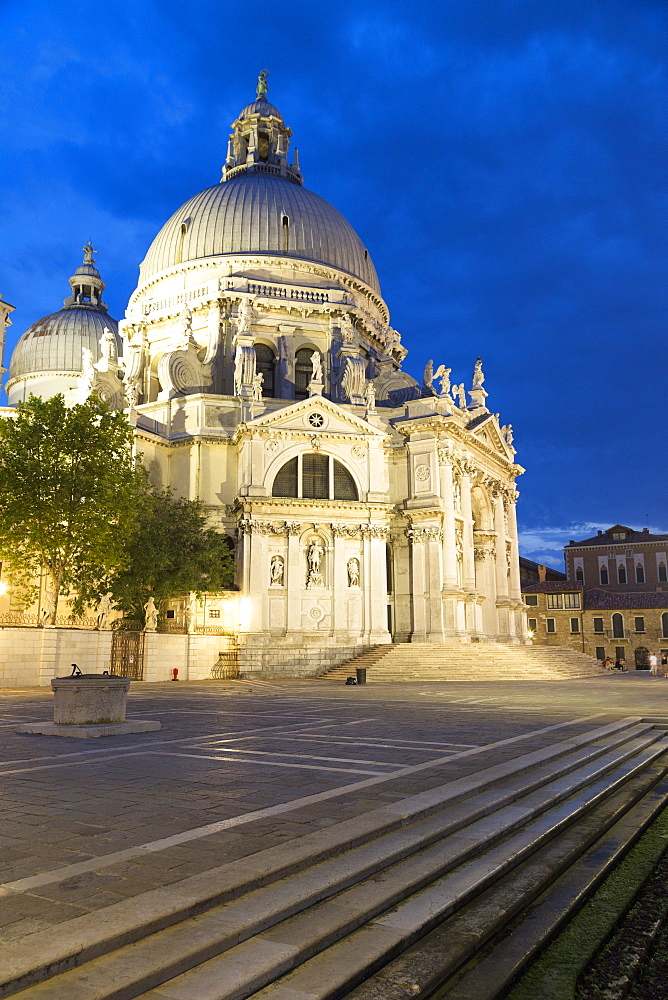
(71, 493)
(173, 552)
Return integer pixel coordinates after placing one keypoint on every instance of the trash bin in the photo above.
(361, 675)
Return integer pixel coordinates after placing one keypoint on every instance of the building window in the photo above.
(265, 364)
(600, 652)
(618, 536)
(555, 601)
(575, 625)
(571, 600)
(663, 575)
(621, 574)
(550, 625)
(388, 568)
(532, 624)
(598, 624)
(321, 478)
(303, 372)
(170, 613)
(640, 624)
(618, 626)
(640, 574)
(664, 625)
(629, 553)
(604, 575)
(214, 614)
(579, 574)
(531, 600)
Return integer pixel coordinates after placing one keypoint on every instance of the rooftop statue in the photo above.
(262, 88)
(478, 376)
(88, 253)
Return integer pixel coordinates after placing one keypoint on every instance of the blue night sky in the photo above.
(503, 160)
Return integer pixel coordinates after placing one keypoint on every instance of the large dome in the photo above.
(245, 215)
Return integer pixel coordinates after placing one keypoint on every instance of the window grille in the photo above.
(344, 484)
(315, 477)
(285, 483)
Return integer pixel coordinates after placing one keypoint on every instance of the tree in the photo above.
(70, 496)
(173, 552)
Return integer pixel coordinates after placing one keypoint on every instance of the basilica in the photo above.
(258, 367)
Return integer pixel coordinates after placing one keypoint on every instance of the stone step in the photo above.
(340, 942)
(419, 833)
(446, 959)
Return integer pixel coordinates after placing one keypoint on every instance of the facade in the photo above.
(261, 374)
(620, 559)
(598, 622)
(533, 572)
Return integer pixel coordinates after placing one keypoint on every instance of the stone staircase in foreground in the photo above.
(392, 903)
(458, 661)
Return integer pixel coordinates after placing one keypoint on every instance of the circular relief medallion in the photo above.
(422, 473)
(317, 614)
(358, 451)
(272, 446)
(316, 419)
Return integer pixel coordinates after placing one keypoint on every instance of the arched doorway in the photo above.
(642, 658)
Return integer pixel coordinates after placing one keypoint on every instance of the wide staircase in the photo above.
(476, 661)
(447, 890)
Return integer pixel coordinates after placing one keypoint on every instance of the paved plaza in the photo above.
(239, 767)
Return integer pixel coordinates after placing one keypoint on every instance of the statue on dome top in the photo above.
(478, 376)
(262, 88)
(88, 253)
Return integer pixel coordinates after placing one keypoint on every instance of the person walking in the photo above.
(664, 663)
(654, 664)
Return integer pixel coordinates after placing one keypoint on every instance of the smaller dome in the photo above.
(261, 107)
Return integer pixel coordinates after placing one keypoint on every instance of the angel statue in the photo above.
(443, 374)
(460, 393)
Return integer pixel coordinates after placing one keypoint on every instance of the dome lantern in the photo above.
(86, 283)
(260, 141)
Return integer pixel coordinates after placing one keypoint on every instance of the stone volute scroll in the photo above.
(180, 370)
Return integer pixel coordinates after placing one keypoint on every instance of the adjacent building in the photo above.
(620, 559)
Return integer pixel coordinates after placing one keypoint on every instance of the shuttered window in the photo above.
(315, 477)
(322, 478)
(344, 484)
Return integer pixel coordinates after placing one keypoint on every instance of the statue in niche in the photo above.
(353, 572)
(151, 613)
(104, 609)
(238, 370)
(257, 387)
(316, 363)
(314, 554)
(443, 375)
(276, 569)
(460, 393)
(457, 496)
(478, 375)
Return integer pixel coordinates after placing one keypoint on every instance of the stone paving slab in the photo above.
(237, 769)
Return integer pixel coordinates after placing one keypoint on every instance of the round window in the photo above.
(316, 419)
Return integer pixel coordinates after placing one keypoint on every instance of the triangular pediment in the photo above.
(315, 415)
(486, 429)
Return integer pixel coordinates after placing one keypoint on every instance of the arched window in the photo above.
(664, 625)
(303, 372)
(604, 575)
(640, 573)
(621, 574)
(579, 574)
(618, 626)
(265, 362)
(285, 234)
(314, 476)
(663, 576)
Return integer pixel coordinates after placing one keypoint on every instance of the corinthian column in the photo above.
(500, 529)
(468, 562)
(450, 581)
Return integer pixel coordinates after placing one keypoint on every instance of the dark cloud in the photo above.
(504, 162)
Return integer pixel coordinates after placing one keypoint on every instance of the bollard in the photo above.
(361, 675)
(175, 674)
